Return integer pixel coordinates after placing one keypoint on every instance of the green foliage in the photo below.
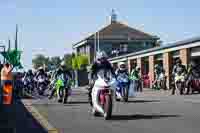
(75, 62)
(40, 60)
(68, 61)
(80, 62)
(13, 57)
(54, 61)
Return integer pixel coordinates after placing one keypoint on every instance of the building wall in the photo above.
(167, 58)
(109, 46)
(185, 55)
(167, 64)
(151, 69)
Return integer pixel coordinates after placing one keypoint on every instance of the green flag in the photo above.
(13, 57)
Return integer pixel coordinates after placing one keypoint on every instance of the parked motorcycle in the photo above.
(122, 90)
(102, 94)
(195, 85)
(180, 83)
(162, 81)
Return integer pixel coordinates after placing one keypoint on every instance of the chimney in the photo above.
(113, 17)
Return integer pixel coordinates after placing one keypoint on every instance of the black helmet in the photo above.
(178, 61)
(193, 64)
(29, 71)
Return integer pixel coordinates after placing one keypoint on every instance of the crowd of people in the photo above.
(180, 75)
(39, 81)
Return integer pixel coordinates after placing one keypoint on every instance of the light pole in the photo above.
(4, 50)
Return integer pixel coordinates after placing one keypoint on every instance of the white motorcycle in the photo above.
(102, 94)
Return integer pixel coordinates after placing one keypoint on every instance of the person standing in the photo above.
(136, 79)
(6, 77)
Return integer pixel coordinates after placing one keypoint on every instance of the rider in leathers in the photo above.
(41, 73)
(61, 70)
(29, 75)
(101, 63)
(122, 70)
(178, 69)
(157, 71)
(193, 73)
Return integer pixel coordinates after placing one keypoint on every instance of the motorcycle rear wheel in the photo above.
(66, 93)
(125, 95)
(108, 107)
(180, 87)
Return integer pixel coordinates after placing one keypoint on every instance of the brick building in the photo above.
(164, 55)
(115, 39)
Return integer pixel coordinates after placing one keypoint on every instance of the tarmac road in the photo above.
(149, 112)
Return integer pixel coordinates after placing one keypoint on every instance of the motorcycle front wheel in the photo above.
(108, 107)
(66, 94)
(125, 97)
(180, 87)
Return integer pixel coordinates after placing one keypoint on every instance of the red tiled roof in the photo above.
(121, 31)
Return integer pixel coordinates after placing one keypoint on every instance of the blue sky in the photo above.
(51, 26)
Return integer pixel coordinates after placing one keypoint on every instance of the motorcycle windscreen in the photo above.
(107, 75)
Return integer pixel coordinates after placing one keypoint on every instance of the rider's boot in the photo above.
(52, 93)
(173, 90)
(65, 96)
(90, 94)
(60, 100)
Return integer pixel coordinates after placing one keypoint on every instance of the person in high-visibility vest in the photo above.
(6, 84)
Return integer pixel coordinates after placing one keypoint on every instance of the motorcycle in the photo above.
(195, 82)
(41, 85)
(162, 81)
(28, 85)
(102, 94)
(122, 90)
(180, 82)
(62, 90)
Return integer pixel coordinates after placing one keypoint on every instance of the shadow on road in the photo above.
(15, 118)
(78, 102)
(140, 116)
(143, 101)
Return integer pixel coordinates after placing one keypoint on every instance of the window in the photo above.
(145, 44)
(124, 47)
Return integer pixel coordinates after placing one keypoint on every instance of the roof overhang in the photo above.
(195, 42)
(79, 44)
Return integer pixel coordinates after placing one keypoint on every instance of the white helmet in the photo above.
(62, 63)
(137, 68)
(101, 55)
(122, 66)
(40, 68)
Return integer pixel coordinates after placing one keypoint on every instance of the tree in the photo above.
(82, 61)
(79, 62)
(13, 57)
(40, 60)
(55, 61)
(68, 61)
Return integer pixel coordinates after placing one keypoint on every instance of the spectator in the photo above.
(6, 76)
